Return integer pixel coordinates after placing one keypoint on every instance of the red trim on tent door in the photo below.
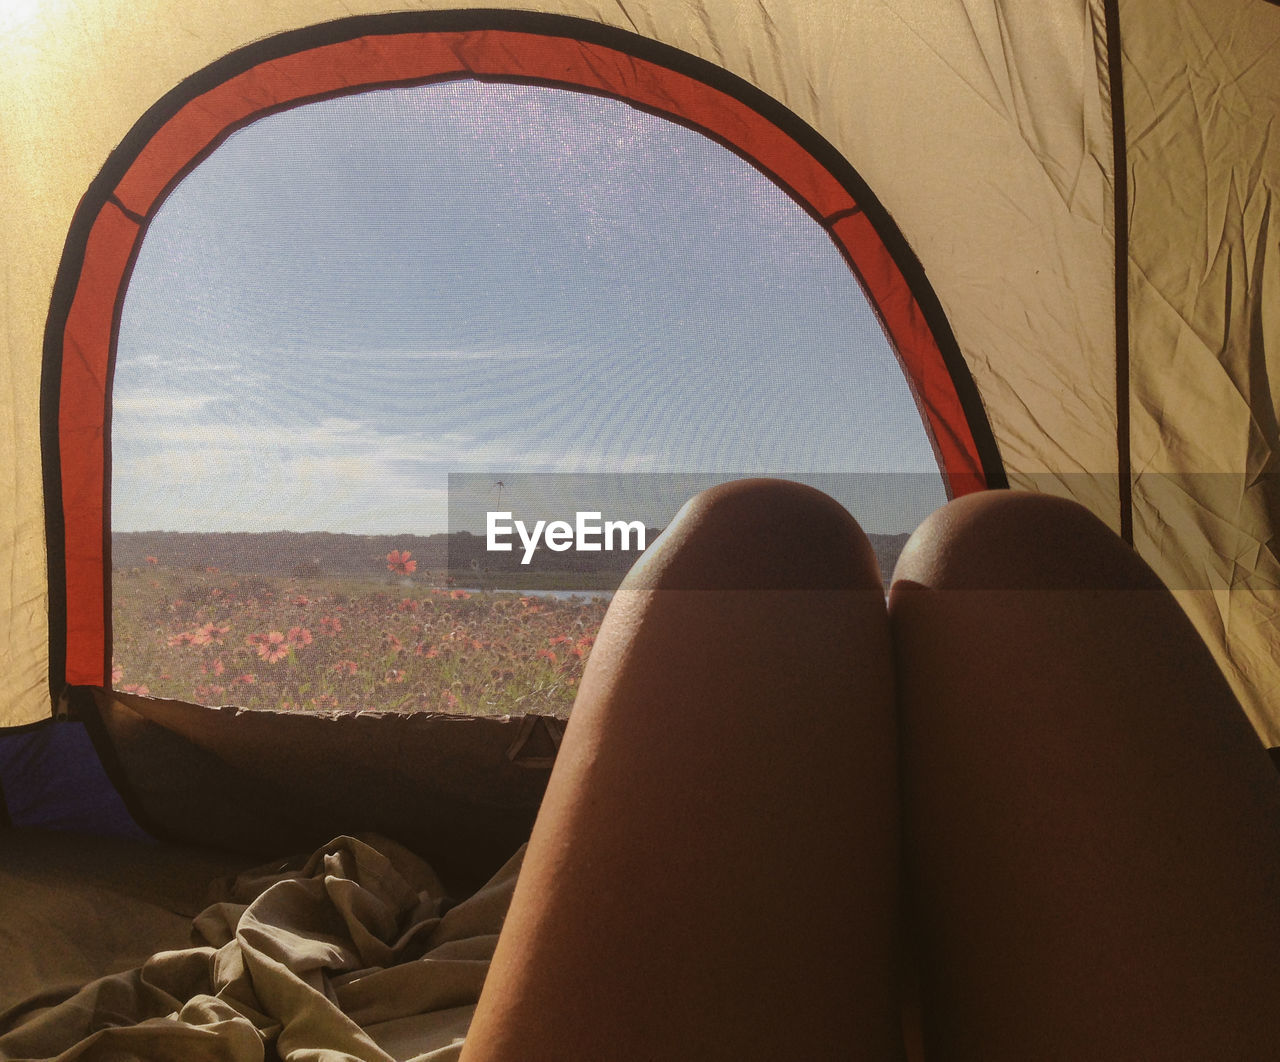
(381, 60)
(914, 341)
(83, 431)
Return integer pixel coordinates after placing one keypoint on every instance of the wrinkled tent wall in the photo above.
(1202, 91)
(984, 128)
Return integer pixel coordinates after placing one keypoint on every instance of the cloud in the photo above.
(339, 474)
(153, 402)
(385, 354)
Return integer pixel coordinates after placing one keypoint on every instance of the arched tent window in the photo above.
(343, 58)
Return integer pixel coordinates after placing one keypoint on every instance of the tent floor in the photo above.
(74, 907)
(101, 956)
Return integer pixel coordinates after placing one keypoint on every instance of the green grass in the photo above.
(320, 644)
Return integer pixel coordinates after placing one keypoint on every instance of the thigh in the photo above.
(1093, 828)
(713, 873)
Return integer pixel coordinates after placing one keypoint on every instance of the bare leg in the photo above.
(713, 873)
(1093, 829)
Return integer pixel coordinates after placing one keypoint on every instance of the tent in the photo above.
(1062, 214)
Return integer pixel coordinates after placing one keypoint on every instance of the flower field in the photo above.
(299, 644)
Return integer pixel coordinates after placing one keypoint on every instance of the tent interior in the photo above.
(1025, 247)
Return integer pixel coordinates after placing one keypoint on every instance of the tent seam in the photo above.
(1120, 193)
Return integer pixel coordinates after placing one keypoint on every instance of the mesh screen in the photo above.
(349, 302)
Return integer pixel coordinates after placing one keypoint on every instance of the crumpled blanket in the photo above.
(351, 955)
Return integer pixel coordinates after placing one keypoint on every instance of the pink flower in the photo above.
(330, 624)
(398, 561)
(299, 636)
(302, 601)
(345, 667)
(117, 672)
(459, 595)
(448, 700)
(272, 647)
(182, 638)
(408, 605)
(153, 560)
(209, 634)
(245, 680)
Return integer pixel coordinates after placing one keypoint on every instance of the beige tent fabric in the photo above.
(352, 955)
(986, 135)
(1202, 89)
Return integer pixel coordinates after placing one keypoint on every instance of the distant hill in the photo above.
(321, 553)
(888, 548)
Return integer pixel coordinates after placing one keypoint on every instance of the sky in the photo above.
(350, 301)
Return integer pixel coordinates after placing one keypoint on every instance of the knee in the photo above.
(1018, 540)
(760, 534)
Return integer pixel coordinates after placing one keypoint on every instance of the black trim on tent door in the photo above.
(51, 446)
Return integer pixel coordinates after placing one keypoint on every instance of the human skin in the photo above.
(1091, 822)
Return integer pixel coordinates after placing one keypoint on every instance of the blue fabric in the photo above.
(52, 779)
